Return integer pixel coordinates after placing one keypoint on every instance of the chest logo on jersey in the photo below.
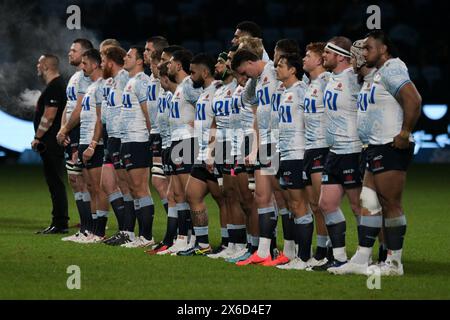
(229, 93)
(339, 87)
(377, 77)
(265, 81)
(314, 94)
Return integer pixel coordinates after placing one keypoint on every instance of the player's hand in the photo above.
(66, 141)
(87, 154)
(61, 136)
(34, 144)
(401, 141)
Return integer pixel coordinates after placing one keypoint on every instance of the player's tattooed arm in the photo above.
(410, 101)
(46, 121)
(211, 146)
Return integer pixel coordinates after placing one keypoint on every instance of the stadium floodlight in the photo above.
(435, 111)
(15, 134)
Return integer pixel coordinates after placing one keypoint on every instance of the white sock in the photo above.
(131, 235)
(395, 255)
(289, 249)
(264, 247)
(362, 255)
(340, 254)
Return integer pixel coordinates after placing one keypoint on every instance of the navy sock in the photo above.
(118, 206)
(147, 213)
(394, 232)
(288, 224)
(267, 222)
(172, 226)
(129, 220)
(304, 231)
(102, 219)
(183, 216)
(336, 226)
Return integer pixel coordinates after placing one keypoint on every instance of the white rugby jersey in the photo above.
(134, 128)
(363, 102)
(88, 117)
(152, 103)
(114, 105)
(384, 113)
(107, 85)
(266, 87)
(292, 123)
(163, 117)
(315, 126)
(275, 118)
(182, 110)
(340, 100)
(203, 118)
(76, 87)
(221, 106)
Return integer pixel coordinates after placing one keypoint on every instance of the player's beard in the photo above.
(172, 78)
(198, 84)
(107, 73)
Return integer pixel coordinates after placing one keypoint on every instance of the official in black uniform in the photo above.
(47, 121)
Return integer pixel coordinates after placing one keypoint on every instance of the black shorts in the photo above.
(182, 155)
(313, 162)
(165, 158)
(155, 144)
(223, 157)
(200, 172)
(382, 158)
(105, 137)
(268, 159)
(136, 155)
(97, 159)
(342, 169)
(240, 166)
(291, 172)
(112, 153)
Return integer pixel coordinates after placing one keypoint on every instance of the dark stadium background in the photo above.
(208, 26)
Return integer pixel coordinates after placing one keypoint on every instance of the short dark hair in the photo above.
(84, 43)
(115, 54)
(384, 38)
(184, 57)
(51, 60)
(139, 52)
(288, 46)
(158, 42)
(172, 49)
(205, 60)
(156, 55)
(93, 55)
(343, 42)
(250, 27)
(241, 56)
(294, 61)
(163, 70)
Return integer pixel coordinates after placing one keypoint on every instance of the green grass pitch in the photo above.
(34, 266)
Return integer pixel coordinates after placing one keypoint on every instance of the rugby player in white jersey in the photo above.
(152, 56)
(249, 29)
(114, 176)
(341, 172)
(90, 149)
(393, 111)
(247, 63)
(201, 181)
(135, 145)
(292, 147)
(316, 149)
(76, 88)
(182, 155)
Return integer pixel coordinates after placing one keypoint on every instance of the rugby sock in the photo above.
(147, 212)
(165, 205)
(321, 250)
(102, 220)
(288, 224)
(94, 223)
(201, 234)
(172, 226)
(255, 244)
(267, 222)
(118, 206)
(87, 211)
(81, 209)
(289, 249)
(369, 229)
(394, 233)
(137, 211)
(336, 227)
(237, 233)
(225, 236)
(183, 216)
(382, 253)
(304, 230)
(130, 214)
(273, 243)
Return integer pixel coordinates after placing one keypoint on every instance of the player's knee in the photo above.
(369, 201)
(326, 205)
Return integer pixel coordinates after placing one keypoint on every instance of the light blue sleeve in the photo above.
(99, 95)
(83, 84)
(394, 77)
(141, 89)
(191, 94)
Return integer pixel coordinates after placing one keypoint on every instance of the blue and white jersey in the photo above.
(92, 100)
(134, 127)
(76, 87)
(182, 110)
(246, 104)
(340, 100)
(221, 106)
(292, 122)
(114, 105)
(203, 118)
(384, 113)
(363, 103)
(107, 85)
(163, 118)
(266, 87)
(152, 103)
(275, 118)
(315, 126)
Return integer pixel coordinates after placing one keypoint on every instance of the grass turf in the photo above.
(34, 266)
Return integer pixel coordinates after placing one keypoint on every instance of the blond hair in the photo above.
(253, 44)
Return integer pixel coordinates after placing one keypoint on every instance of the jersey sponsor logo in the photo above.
(339, 87)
